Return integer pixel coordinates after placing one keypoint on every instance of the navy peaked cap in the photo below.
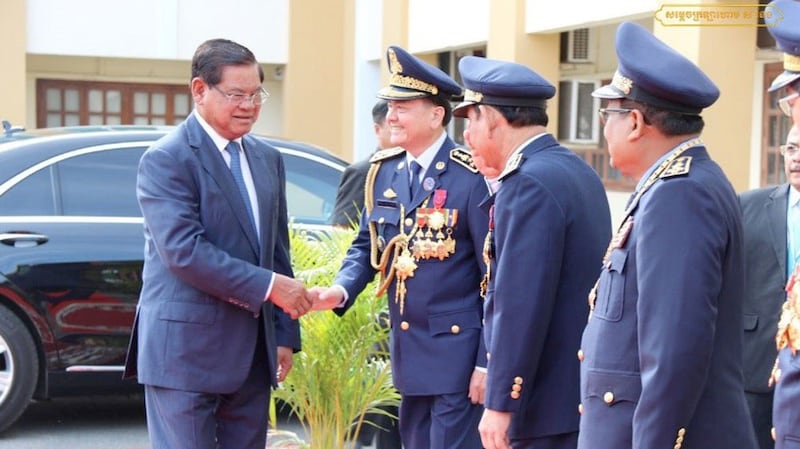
(414, 78)
(782, 18)
(653, 73)
(501, 83)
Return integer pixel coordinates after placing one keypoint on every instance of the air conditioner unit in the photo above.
(579, 45)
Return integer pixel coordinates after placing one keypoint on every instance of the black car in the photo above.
(71, 250)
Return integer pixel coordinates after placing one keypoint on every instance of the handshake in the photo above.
(293, 298)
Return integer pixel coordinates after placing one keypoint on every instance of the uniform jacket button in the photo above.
(409, 222)
(580, 354)
(516, 387)
(518, 380)
(404, 325)
(488, 355)
(580, 409)
(455, 329)
(608, 398)
(514, 395)
(772, 432)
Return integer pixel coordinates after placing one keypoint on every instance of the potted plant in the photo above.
(343, 372)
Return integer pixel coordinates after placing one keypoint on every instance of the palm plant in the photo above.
(342, 373)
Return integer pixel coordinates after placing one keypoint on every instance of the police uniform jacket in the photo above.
(436, 340)
(551, 227)
(786, 373)
(662, 349)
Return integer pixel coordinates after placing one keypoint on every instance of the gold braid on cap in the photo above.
(471, 95)
(791, 62)
(623, 83)
(412, 83)
(406, 81)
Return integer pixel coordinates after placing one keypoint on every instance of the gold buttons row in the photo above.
(516, 389)
(453, 329)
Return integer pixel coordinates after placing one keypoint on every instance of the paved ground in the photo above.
(89, 423)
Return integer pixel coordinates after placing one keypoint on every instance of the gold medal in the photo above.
(436, 220)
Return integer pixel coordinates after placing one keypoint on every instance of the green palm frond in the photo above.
(343, 372)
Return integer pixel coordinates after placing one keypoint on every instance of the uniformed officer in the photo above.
(786, 374)
(423, 231)
(784, 25)
(547, 204)
(662, 351)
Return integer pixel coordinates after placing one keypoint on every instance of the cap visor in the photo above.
(783, 80)
(608, 92)
(461, 109)
(401, 93)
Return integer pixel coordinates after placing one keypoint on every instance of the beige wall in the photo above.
(12, 52)
(508, 41)
(395, 30)
(318, 99)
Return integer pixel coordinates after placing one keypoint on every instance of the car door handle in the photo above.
(22, 239)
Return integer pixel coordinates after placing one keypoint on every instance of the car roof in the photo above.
(49, 142)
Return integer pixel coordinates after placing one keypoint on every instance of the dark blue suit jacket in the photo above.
(205, 270)
(764, 224)
(430, 356)
(663, 347)
(552, 225)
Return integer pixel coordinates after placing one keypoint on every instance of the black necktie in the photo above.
(414, 168)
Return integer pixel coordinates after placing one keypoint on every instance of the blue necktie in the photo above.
(414, 168)
(236, 170)
(793, 225)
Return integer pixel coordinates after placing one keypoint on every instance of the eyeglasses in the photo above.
(786, 103)
(790, 149)
(604, 112)
(257, 98)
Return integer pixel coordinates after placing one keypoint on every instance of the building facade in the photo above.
(117, 61)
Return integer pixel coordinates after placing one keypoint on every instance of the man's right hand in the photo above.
(325, 298)
(291, 296)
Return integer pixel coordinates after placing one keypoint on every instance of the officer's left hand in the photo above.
(494, 429)
(285, 361)
(477, 387)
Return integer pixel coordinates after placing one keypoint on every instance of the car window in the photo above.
(31, 196)
(102, 183)
(310, 189)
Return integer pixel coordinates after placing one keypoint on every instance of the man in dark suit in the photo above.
(764, 222)
(547, 203)
(208, 342)
(423, 231)
(768, 259)
(350, 195)
(662, 351)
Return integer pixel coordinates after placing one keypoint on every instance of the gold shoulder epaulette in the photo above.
(386, 154)
(678, 167)
(463, 158)
(511, 166)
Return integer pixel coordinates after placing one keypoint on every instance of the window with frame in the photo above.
(775, 128)
(577, 111)
(68, 103)
(448, 62)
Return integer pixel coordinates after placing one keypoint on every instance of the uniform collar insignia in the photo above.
(463, 158)
(678, 167)
(386, 154)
